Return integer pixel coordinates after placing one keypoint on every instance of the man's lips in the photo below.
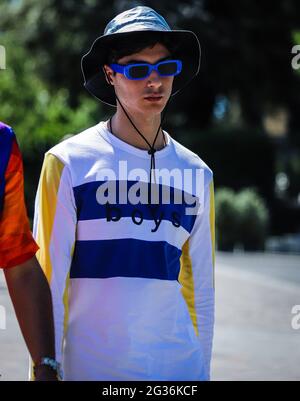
(154, 97)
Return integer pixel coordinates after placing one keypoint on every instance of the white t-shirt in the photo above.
(132, 283)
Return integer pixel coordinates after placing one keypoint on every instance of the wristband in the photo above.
(52, 363)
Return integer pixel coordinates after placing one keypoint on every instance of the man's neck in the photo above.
(124, 130)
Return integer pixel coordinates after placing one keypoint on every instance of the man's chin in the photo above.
(154, 104)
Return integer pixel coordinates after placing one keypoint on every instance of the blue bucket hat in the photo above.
(129, 24)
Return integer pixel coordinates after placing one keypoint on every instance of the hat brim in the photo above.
(188, 50)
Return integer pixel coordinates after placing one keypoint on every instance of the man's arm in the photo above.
(31, 297)
(54, 229)
(197, 275)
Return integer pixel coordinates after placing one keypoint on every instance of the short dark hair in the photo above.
(124, 47)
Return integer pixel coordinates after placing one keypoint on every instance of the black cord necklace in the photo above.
(151, 150)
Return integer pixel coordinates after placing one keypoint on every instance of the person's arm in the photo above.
(31, 297)
(197, 275)
(54, 229)
(26, 282)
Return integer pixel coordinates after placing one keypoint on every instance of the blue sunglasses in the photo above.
(168, 68)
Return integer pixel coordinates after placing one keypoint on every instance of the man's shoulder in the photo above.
(190, 159)
(6, 130)
(73, 146)
(4, 127)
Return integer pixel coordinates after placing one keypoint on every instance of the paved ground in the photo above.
(254, 339)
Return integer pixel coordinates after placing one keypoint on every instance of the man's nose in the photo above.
(154, 79)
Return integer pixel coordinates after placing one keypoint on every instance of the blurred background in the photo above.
(241, 115)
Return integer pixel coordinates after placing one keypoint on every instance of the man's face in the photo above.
(134, 95)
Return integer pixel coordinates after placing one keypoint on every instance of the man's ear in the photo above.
(107, 77)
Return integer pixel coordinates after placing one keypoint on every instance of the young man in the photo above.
(26, 282)
(131, 270)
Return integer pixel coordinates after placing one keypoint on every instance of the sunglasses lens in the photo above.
(139, 71)
(169, 68)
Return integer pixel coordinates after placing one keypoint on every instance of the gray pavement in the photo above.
(254, 338)
(13, 354)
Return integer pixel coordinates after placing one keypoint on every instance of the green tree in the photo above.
(246, 48)
(40, 117)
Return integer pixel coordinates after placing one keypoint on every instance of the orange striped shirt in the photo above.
(16, 242)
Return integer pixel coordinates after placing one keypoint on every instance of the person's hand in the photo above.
(45, 373)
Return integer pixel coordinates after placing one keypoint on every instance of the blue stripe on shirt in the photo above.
(7, 137)
(125, 258)
(88, 208)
